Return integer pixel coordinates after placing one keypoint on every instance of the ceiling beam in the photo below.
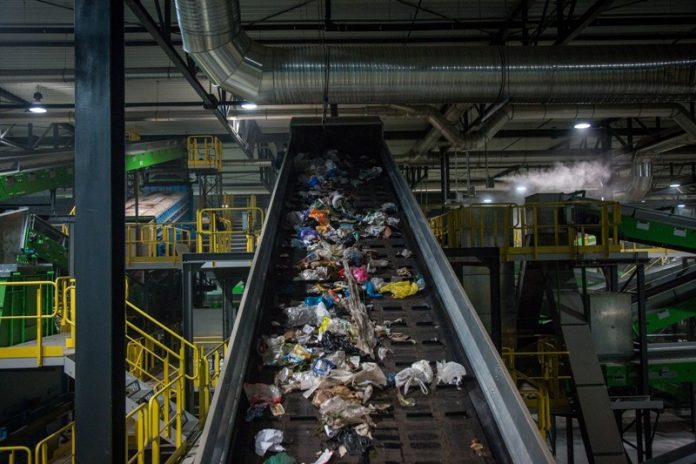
(13, 98)
(504, 32)
(209, 101)
(585, 20)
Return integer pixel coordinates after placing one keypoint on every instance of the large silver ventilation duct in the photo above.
(212, 34)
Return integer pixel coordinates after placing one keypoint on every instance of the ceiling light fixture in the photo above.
(37, 107)
(681, 205)
(249, 106)
(487, 200)
(582, 125)
(674, 185)
(521, 188)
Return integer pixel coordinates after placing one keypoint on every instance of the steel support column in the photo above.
(99, 232)
(187, 271)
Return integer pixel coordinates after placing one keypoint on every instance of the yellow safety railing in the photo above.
(215, 228)
(15, 454)
(532, 228)
(64, 227)
(165, 422)
(61, 441)
(212, 361)
(167, 360)
(204, 152)
(137, 434)
(66, 307)
(156, 242)
(43, 288)
(542, 388)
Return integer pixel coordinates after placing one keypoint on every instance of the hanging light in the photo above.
(674, 185)
(582, 125)
(521, 188)
(249, 106)
(37, 107)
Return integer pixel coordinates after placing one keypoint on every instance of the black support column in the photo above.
(99, 231)
(444, 175)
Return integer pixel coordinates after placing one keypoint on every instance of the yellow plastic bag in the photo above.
(400, 289)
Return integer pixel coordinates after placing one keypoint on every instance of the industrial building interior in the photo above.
(312, 231)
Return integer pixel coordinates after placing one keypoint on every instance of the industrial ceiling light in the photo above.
(521, 188)
(675, 185)
(681, 205)
(249, 106)
(487, 200)
(582, 125)
(37, 107)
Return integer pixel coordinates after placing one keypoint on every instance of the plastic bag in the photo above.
(355, 444)
(336, 412)
(371, 374)
(262, 393)
(269, 440)
(280, 458)
(420, 373)
(353, 256)
(322, 367)
(298, 355)
(272, 350)
(302, 315)
(360, 274)
(401, 289)
(450, 373)
(372, 290)
(318, 273)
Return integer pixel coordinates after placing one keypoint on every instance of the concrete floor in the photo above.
(672, 432)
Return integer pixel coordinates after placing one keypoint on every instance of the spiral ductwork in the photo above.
(212, 34)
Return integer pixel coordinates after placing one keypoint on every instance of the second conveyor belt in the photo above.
(442, 425)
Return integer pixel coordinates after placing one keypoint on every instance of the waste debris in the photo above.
(324, 345)
(268, 440)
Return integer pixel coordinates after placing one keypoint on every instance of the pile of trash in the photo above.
(327, 347)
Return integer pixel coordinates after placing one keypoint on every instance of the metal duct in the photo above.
(212, 34)
(429, 142)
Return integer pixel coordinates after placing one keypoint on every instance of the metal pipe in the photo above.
(212, 34)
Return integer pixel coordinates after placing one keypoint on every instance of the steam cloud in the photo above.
(569, 177)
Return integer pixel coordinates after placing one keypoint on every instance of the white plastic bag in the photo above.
(269, 440)
(420, 373)
(450, 373)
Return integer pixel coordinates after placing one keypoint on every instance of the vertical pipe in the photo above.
(496, 310)
(644, 368)
(444, 175)
(570, 446)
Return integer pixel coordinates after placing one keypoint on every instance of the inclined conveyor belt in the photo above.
(441, 426)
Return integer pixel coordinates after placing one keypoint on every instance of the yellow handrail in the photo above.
(144, 352)
(13, 450)
(39, 316)
(141, 422)
(161, 420)
(156, 242)
(41, 450)
(204, 152)
(216, 226)
(550, 226)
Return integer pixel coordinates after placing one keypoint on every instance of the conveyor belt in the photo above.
(442, 425)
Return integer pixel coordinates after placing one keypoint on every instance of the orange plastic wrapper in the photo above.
(320, 215)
